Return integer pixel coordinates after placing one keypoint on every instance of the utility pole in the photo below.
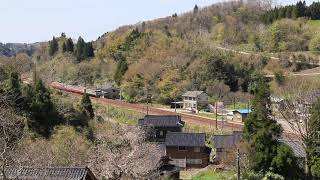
(238, 164)
(108, 112)
(175, 106)
(147, 106)
(216, 116)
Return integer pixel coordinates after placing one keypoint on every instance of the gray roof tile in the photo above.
(50, 173)
(161, 121)
(296, 146)
(185, 139)
(227, 141)
(192, 93)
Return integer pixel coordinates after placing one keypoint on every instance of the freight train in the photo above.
(107, 92)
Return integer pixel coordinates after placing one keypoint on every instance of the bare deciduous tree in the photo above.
(295, 110)
(127, 155)
(11, 129)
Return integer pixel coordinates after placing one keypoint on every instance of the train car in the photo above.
(94, 92)
(108, 93)
(67, 88)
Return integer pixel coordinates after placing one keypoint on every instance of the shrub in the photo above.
(314, 44)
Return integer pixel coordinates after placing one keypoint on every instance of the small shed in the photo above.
(241, 114)
(225, 144)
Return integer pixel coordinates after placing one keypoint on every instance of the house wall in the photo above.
(239, 117)
(202, 99)
(188, 155)
(225, 155)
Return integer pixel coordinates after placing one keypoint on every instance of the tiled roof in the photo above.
(296, 147)
(185, 139)
(161, 121)
(243, 111)
(227, 141)
(50, 173)
(192, 93)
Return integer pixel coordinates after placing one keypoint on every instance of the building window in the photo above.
(182, 148)
(161, 133)
(194, 161)
(196, 149)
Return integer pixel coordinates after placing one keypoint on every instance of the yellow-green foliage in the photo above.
(69, 146)
(64, 69)
(315, 43)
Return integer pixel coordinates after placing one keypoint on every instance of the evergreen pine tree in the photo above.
(195, 9)
(90, 51)
(260, 131)
(12, 90)
(86, 106)
(43, 117)
(69, 45)
(313, 145)
(288, 12)
(80, 48)
(64, 47)
(53, 46)
(300, 9)
(122, 67)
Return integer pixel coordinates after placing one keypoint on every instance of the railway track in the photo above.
(189, 119)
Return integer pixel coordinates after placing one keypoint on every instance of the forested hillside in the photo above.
(170, 55)
(234, 51)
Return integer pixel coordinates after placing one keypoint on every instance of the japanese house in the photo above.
(194, 99)
(187, 150)
(225, 144)
(56, 173)
(241, 114)
(162, 125)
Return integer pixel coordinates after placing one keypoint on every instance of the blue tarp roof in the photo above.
(244, 111)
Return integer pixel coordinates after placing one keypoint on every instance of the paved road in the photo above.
(297, 74)
(271, 57)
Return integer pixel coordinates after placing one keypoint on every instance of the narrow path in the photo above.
(271, 57)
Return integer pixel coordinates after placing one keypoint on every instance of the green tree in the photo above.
(301, 9)
(43, 116)
(313, 144)
(314, 44)
(12, 90)
(79, 51)
(285, 162)
(122, 68)
(279, 78)
(195, 9)
(53, 46)
(64, 48)
(260, 131)
(69, 45)
(86, 105)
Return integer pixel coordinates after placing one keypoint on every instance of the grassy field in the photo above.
(208, 115)
(237, 106)
(208, 175)
(106, 112)
(314, 25)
